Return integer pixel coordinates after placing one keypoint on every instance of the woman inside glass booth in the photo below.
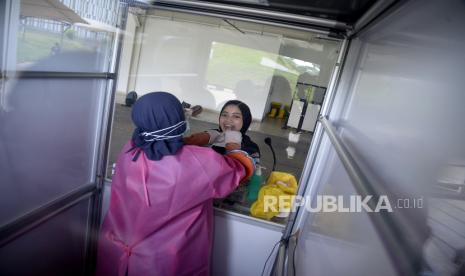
(235, 116)
(234, 121)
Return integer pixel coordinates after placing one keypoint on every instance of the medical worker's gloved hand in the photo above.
(209, 137)
(232, 140)
(216, 137)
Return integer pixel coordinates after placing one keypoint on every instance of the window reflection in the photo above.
(49, 28)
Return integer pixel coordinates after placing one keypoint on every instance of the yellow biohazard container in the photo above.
(275, 196)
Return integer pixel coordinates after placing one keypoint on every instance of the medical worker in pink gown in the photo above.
(160, 217)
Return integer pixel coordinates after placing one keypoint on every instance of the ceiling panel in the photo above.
(347, 11)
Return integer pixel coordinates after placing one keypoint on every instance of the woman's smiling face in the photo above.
(231, 118)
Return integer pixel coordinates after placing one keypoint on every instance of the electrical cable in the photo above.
(269, 256)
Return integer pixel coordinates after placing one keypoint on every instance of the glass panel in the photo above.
(48, 130)
(334, 241)
(175, 57)
(445, 248)
(205, 61)
(50, 30)
(42, 251)
(404, 119)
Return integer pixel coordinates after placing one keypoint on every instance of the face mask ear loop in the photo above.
(160, 137)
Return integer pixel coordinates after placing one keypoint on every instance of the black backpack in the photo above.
(131, 98)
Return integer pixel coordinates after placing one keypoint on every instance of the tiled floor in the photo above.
(270, 127)
(446, 218)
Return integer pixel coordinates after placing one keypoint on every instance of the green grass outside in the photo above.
(34, 45)
(229, 64)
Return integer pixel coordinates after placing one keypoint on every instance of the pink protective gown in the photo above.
(160, 219)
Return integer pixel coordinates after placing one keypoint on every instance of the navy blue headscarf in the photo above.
(158, 117)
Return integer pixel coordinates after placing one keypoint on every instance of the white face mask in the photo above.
(158, 135)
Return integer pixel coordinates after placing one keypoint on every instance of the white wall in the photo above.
(241, 245)
(175, 58)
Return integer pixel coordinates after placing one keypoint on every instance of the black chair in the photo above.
(131, 98)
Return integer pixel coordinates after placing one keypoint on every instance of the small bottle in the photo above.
(254, 185)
